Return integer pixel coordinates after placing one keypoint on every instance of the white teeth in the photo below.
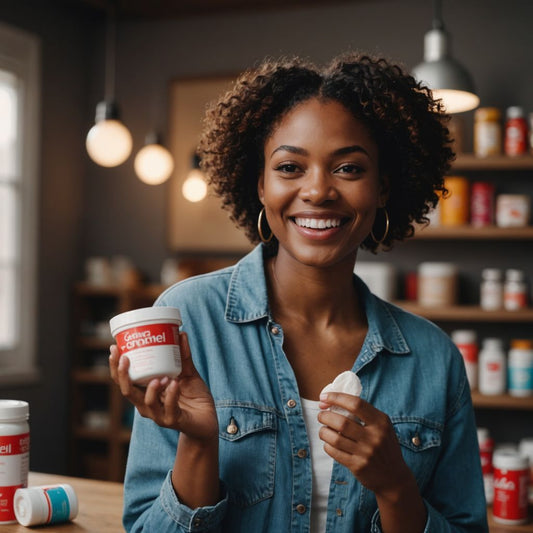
(318, 223)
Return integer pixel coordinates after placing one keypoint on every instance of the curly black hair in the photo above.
(408, 125)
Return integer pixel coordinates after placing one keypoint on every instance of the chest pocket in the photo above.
(420, 440)
(247, 438)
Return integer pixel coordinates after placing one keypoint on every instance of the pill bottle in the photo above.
(15, 454)
(486, 449)
(492, 367)
(455, 206)
(481, 204)
(520, 368)
(437, 284)
(511, 475)
(491, 289)
(514, 290)
(512, 210)
(516, 132)
(487, 131)
(50, 504)
(149, 337)
(466, 342)
(525, 448)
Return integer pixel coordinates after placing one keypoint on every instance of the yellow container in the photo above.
(454, 209)
(487, 131)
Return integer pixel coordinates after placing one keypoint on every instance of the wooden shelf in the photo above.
(502, 401)
(471, 233)
(467, 313)
(469, 162)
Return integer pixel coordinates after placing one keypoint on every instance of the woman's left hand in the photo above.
(366, 443)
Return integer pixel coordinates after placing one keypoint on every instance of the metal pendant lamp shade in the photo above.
(446, 77)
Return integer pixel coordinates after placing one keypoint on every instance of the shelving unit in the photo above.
(100, 417)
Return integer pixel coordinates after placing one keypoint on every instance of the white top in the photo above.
(321, 464)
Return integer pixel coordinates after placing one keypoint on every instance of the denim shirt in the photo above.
(409, 369)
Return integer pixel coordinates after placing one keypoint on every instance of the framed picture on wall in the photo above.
(201, 226)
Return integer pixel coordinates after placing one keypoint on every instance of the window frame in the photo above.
(20, 54)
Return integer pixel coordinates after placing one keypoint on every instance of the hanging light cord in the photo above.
(438, 23)
(111, 36)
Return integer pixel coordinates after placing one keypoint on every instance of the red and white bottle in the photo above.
(511, 478)
(486, 449)
(14, 454)
(492, 367)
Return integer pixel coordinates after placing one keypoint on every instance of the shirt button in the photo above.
(416, 440)
(274, 330)
(338, 512)
(232, 427)
(291, 403)
(301, 508)
(197, 522)
(302, 454)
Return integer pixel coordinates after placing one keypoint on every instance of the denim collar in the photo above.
(248, 301)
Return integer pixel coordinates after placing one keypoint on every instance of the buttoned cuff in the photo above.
(201, 519)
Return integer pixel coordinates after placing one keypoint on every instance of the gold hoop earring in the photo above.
(387, 223)
(260, 229)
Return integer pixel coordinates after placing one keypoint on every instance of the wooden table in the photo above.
(100, 506)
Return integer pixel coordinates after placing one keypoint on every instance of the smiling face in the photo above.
(320, 184)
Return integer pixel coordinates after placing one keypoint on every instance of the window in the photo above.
(19, 133)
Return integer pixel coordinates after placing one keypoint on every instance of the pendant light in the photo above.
(153, 163)
(109, 142)
(194, 188)
(448, 79)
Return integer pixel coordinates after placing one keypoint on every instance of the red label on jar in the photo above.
(482, 204)
(510, 494)
(15, 444)
(469, 352)
(7, 512)
(143, 336)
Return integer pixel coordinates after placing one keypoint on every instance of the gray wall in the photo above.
(88, 210)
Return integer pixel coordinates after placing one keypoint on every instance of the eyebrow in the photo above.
(301, 151)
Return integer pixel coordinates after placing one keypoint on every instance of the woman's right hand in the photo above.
(183, 403)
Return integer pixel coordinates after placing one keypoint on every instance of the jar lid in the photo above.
(464, 336)
(130, 318)
(11, 410)
(483, 434)
(513, 274)
(492, 342)
(525, 447)
(487, 113)
(515, 111)
(522, 344)
(437, 269)
(510, 460)
(491, 274)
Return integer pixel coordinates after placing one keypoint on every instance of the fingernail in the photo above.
(323, 396)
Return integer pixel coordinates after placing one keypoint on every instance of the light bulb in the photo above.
(153, 164)
(456, 101)
(194, 187)
(109, 143)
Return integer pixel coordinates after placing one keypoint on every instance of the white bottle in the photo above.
(14, 454)
(514, 290)
(466, 342)
(492, 367)
(491, 289)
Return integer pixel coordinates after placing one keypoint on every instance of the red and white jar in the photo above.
(511, 479)
(14, 454)
(149, 337)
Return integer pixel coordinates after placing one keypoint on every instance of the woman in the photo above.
(316, 164)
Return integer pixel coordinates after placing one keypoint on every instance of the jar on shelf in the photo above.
(491, 289)
(514, 290)
(516, 132)
(531, 135)
(492, 367)
(520, 368)
(487, 131)
(481, 204)
(486, 449)
(455, 206)
(512, 210)
(525, 448)
(437, 284)
(466, 342)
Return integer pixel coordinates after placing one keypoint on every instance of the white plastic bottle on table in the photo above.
(492, 367)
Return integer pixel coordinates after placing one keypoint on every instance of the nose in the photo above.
(318, 187)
